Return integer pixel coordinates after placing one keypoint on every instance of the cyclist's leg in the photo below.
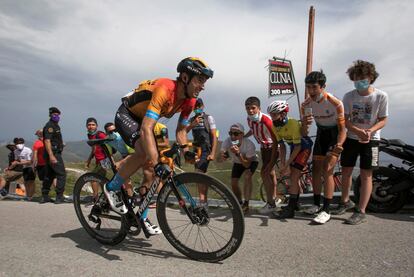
(329, 185)
(317, 172)
(348, 160)
(202, 166)
(267, 177)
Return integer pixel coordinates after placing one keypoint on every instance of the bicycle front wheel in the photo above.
(94, 211)
(211, 232)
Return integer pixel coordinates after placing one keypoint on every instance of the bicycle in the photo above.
(211, 233)
(305, 182)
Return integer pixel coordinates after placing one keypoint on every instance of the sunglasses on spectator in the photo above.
(234, 133)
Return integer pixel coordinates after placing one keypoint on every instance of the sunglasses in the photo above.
(234, 133)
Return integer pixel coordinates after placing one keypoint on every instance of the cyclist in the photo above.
(261, 127)
(289, 130)
(328, 113)
(139, 112)
(203, 129)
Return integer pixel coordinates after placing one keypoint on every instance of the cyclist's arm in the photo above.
(248, 134)
(148, 140)
(282, 150)
(213, 143)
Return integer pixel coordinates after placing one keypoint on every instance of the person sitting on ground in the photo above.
(289, 130)
(13, 172)
(242, 151)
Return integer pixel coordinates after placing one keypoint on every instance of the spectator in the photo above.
(242, 151)
(23, 157)
(203, 128)
(366, 113)
(101, 160)
(13, 172)
(39, 163)
(55, 168)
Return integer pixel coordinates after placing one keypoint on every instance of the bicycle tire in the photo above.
(115, 228)
(168, 211)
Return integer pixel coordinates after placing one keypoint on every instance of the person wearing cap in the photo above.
(55, 167)
(39, 162)
(203, 129)
(13, 172)
(242, 152)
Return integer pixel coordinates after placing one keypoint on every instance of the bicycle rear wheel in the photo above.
(94, 211)
(219, 229)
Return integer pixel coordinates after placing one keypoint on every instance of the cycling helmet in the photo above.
(278, 106)
(194, 66)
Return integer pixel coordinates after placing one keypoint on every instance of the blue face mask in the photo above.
(362, 85)
(198, 111)
(254, 117)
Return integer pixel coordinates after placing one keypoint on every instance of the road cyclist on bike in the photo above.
(289, 130)
(328, 113)
(140, 111)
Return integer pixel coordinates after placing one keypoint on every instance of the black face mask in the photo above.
(280, 123)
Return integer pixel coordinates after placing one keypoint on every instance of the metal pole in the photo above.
(309, 58)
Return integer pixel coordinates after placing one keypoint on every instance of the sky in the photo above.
(83, 56)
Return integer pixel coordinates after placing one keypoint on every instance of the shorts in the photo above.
(99, 170)
(326, 139)
(368, 154)
(203, 163)
(127, 125)
(238, 169)
(266, 154)
(28, 174)
(41, 170)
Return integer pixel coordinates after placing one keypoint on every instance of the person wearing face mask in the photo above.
(55, 167)
(366, 113)
(23, 157)
(242, 152)
(260, 125)
(289, 130)
(14, 171)
(328, 113)
(101, 162)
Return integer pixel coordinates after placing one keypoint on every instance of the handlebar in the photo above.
(171, 155)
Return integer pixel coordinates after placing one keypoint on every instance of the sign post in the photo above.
(282, 79)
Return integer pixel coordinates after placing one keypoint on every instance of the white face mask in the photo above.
(19, 146)
(235, 142)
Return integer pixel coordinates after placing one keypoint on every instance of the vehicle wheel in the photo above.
(380, 202)
(219, 227)
(94, 211)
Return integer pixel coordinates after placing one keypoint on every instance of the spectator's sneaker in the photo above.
(45, 199)
(356, 218)
(150, 229)
(60, 200)
(245, 208)
(267, 209)
(115, 200)
(285, 213)
(322, 218)
(314, 209)
(343, 207)
(3, 193)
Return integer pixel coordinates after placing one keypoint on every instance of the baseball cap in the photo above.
(238, 127)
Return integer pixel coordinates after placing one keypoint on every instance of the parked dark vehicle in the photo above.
(393, 185)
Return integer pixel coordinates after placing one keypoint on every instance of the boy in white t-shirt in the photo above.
(242, 152)
(366, 113)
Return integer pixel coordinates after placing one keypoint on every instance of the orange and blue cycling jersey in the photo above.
(158, 98)
(291, 134)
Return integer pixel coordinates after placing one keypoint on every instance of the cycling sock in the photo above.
(116, 183)
(144, 214)
(293, 201)
(326, 204)
(317, 199)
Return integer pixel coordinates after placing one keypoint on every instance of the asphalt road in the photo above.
(47, 240)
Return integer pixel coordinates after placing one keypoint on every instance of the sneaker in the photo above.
(356, 218)
(115, 200)
(314, 209)
(245, 208)
(343, 207)
(45, 199)
(3, 193)
(285, 213)
(322, 218)
(150, 229)
(267, 209)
